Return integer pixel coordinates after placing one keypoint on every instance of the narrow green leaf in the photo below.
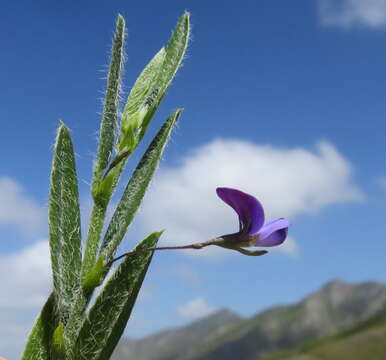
(137, 106)
(39, 340)
(107, 319)
(111, 102)
(64, 224)
(151, 86)
(105, 149)
(136, 188)
(175, 52)
(106, 144)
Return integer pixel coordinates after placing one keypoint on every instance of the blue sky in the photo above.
(286, 102)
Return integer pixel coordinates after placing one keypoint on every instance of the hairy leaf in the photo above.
(106, 144)
(151, 86)
(111, 102)
(137, 105)
(39, 340)
(175, 52)
(107, 319)
(136, 188)
(64, 224)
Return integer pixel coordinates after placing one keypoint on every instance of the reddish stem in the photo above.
(196, 246)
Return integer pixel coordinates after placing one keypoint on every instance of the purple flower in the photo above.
(252, 231)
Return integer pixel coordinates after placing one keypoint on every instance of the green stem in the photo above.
(76, 320)
(82, 298)
(94, 233)
(122, 156)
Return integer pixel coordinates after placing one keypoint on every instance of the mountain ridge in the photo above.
(163, 343)
(328, 310)
(363, 341)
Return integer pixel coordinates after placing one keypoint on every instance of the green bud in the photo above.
(95, 277)
(132, 124)
(58, 343)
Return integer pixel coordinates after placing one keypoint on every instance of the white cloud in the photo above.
(25, 288)
(288, 182)
(348, 13)
(28, 274)
(14, 332)
(195, 309)
(16, 208)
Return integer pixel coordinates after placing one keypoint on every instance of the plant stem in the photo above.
(196, 246)
(92, 245)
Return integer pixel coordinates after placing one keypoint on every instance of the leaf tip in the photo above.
(120, 20)
(178, 113)
(63, 132)
(62, 125)
(186, 21)
(186, 15)
(159, 233)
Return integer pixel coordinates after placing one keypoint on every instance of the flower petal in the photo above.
(273, 233)
(249, 209)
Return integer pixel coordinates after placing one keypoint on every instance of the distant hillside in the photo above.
(365, 341)
(224, 336)
(170, 344)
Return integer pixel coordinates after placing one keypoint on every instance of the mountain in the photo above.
(337, 306)
(169, 344)
(364, 341)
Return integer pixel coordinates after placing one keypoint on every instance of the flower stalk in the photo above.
(251, 232)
